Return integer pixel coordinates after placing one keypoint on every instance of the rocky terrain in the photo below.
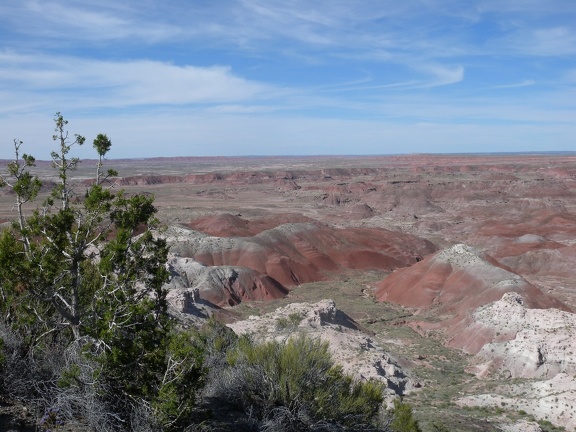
(454, 284)
(356, 351)
(552, 400)
(535, 343)
(452, 277)
(193, 282)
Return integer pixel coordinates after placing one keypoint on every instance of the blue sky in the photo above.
(290, 77)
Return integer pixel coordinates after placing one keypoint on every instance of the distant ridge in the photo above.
(324, 156)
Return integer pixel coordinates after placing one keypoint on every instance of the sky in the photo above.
(289, 77)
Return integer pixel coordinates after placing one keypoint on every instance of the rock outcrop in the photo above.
(358, 354)
(528, 343)
(553, 400)
(192, 282)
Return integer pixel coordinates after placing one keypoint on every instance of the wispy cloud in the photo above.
(525, 83)
(443, 75)
(85, 83)
(72, 22)
(546, 42)
(423, 76)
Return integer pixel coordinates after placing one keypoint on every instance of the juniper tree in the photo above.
(88, 268)
(79, 250)
(25, 185)
(102, 145)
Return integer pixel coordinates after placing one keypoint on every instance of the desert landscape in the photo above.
(288, 216)
(448, 277)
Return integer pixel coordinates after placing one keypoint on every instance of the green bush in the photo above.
(175, 400)
(548, 426)
(295, 386)
(403, 419)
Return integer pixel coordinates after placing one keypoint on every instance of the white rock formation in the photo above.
(182, 292)
(521, 426)
(533, 343)
(358, 354)
(553, 400)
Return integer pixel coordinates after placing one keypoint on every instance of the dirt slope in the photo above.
(452, 284)
(219, 285)
(303, 252)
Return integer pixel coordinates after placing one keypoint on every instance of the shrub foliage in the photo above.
(291, 385)
(75, 277)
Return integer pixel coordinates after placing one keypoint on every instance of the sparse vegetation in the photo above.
(438, 426)
(403, 419)
(547, 426)
(288, 323)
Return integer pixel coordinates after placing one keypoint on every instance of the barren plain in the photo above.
(453, 277)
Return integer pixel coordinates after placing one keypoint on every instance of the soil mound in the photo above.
(192, 283)
(525, 229)
(454, 283)
(222, 225)
(558, 262)
(456, 280)
(296, 253)
(360, 211)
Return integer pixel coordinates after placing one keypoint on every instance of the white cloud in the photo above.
(72, 21)
(535, 8)
(558, 41)
(242, 109)
(525, 83)
(547, 42)
(87, 83)
(443, 75)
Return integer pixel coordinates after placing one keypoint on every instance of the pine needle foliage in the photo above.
(84, 271)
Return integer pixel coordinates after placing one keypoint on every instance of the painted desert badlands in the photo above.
(451, 278)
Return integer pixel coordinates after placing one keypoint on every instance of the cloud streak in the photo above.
(525, 83)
